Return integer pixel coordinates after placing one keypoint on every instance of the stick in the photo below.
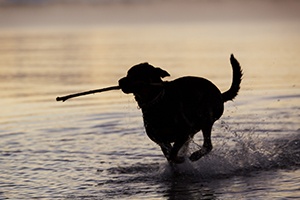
(64, 98)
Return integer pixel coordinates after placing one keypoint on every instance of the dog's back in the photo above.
(198, 97)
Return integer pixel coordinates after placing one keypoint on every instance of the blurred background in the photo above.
(185, 28)
(43, 13)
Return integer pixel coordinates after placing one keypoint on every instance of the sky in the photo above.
(40, 13)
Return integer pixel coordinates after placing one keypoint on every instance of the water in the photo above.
(95, 147)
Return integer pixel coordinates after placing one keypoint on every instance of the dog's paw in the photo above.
(196, 156)
(177, 160)
(200, 153)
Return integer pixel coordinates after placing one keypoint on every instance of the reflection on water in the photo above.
(95, 146)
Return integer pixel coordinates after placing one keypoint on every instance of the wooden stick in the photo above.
(64, 98)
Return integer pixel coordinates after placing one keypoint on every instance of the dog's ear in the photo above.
(162, 73)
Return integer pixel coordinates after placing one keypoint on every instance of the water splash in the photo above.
(244, 154)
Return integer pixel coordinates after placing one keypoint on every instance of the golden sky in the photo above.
(66, 13)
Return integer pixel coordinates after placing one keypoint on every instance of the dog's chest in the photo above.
(163, 123)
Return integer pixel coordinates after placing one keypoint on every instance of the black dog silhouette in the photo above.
(175, 111)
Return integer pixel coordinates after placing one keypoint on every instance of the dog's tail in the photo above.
(236, 80)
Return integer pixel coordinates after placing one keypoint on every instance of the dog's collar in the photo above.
(154, 101)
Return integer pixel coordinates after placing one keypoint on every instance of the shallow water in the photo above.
(95, 147)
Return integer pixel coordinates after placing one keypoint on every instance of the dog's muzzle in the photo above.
(127, 86)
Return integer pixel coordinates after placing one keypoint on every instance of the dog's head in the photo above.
(140, 76)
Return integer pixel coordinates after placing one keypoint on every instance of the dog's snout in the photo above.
(122, 81)
(125, 85)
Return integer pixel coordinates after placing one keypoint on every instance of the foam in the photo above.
(244, 155)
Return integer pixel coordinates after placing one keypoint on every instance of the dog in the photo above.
(174, 111)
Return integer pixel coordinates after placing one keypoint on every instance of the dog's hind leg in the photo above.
(207, 145)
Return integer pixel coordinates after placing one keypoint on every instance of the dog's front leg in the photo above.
(174, 152)
(166, 149)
